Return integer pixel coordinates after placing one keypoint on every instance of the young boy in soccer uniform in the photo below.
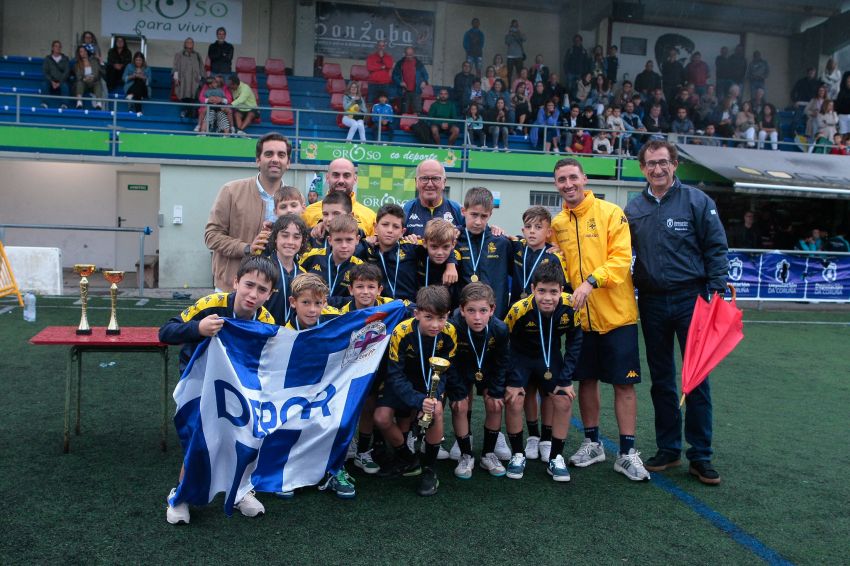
(428, 334)
(483, 256)
(287, 241)
(255, 281)
(399, 260)
(288, 200)
(335, 204)
(530, 252)
(308, 303)
(537, 325)
(436, 267)
(333, 265)
(482, 361)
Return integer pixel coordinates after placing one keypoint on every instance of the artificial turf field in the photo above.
(780, 433)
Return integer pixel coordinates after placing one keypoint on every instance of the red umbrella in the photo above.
(716, 328)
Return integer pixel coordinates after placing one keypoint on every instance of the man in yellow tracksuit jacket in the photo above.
(594, 238)
(341, 176)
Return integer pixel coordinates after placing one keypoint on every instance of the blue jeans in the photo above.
(662, 316)
(63, 90)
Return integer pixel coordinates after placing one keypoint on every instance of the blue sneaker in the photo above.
(285, 494)
(516, 467)
(340, 483)
(558, 469)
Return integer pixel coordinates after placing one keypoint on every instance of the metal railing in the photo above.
(146, 231)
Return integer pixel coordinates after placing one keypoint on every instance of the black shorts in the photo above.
(527, 370)
(612, 357)
(468, 381)
(248, 113)
(387, 397)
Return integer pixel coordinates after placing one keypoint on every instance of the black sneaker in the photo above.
(705, 472)
(400, 466)
(661, 461)
(428, 483)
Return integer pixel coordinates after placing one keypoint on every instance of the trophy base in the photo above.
(110, 332)
(84, 331)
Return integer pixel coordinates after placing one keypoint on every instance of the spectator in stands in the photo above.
(657, 97)
(576, 64)
(826, 120)
(601, 95)
(489, 79)
(570, 122)
(515, 52)
(582, 142)
(186, 71)
(624, 94)
(583, 88)
(220, 53)
(538, 72)
(682, 100)
(556, 91)
(682, 125)
(737, 66)
(723, 118)
(647, 80)
(672, 74)
(498, 91)
(612, 65)
(745, 124)
(813, 108)
(384, 120)
(722, 72)
(500, 67)
(137, 82)
(842, 105)
(602, 143)
(768, 125)
(473, 45)
(805, 89)
(811, 241)
(735, 94)
(597, 62)
(831, 77)
(632, 140)
(745, 235)
(354, 106)
(697, 73)
(410, 75)
(614, 122)
(463, 85)
(56, 69)
(117, 60)
(640, 107)
(539, 98)
(522, 79)
(757, 72)
(441, 112)
(244, 104)
(88, 78)
(839, 147)
(312, 196)
(498, 117)
(476, 95)
(548, 116)
(522, 109)
(758, 101)
(380, 66)
(588, 120)
(89, 41)
(822, 143)
(708, 137)
(707, 103)
(655, 123)
(216, 117)
(475, 127)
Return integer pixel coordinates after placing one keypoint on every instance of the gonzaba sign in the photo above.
(350, 31)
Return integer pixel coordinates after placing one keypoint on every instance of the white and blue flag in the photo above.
(266, 408)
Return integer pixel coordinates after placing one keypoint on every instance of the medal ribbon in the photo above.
(478, 359)
(547, 352)
(527, 280)
(426, 377)
(472, 259)
(392, 284)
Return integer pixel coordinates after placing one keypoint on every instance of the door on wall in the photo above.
(137, 207)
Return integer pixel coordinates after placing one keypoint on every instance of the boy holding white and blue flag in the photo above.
(255, 280)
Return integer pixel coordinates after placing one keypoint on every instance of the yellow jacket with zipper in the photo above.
(595, 240)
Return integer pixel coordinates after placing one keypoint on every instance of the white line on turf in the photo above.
(4, 310)
(823, 323)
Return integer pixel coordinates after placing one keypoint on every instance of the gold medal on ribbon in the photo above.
(479, 376)
(523, 295)
(548, 375)
(474, 278)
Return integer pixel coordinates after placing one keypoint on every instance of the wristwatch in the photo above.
(247, 249)
(593, 282)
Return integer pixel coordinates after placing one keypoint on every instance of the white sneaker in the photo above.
(545, 448)
(454, 453)
(250, 506)
(503, 451)
(532, 451)
(196, 129)
(492, 464)
(352, 450)
(364, 461)
(442, 454)
(411, 443)
(631, 466)
(178, 514)
(516, 467)
(588, 453)
(465, 466)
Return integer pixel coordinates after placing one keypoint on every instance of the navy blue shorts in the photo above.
(527, 370)
(612, 357)
(387, 397)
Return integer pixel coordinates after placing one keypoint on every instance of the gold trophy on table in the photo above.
(438, 366)
(84, 270)
(114, 277)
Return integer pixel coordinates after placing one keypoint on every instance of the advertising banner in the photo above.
(777, 276)
(378, 185)
(350, 31)
(172, 19)
(371, 154)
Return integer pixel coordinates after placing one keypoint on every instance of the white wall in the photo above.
(50, 192)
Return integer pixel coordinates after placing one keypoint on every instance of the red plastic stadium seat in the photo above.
(339, 121)
(283, 117)
(335, 85)
(332, 71)
(336, 101)
(279, 98)
(277, 82)
(246, 65)
(364, 89)
(248, 78)
(407, 121)
(275, 67)
(359, 73)
(207, 65)
(426, 105)
(428, 93)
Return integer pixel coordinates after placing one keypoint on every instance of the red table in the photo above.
(131, 339)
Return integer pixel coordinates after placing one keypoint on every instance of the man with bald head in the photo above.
(342, 176)
(429, 202)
